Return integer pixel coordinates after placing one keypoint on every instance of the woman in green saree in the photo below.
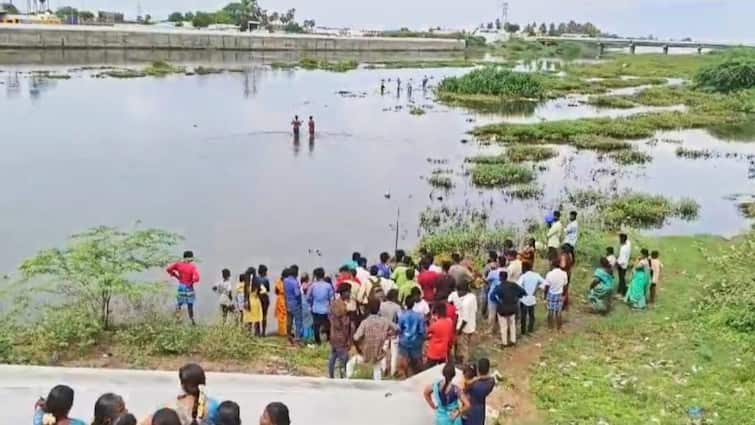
(637, 295)
(601, 288)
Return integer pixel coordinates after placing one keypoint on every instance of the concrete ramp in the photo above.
(312, 401)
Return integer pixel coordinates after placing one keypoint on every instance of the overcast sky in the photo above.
(702, 19)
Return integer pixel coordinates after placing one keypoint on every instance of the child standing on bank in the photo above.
(224, 289)
(253, 292)
(656, 268)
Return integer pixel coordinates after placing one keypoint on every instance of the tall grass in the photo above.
(735, 72)
(493, 81)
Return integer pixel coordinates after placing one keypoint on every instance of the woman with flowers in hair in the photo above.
(54, 409)
(193, 407)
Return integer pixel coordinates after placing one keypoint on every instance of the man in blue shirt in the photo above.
(293, 302)
(411, 338)
(320, 295)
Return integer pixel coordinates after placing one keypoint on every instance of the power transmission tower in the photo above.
(139, 11)
(504, 15)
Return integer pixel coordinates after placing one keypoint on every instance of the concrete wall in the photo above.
(83, 37)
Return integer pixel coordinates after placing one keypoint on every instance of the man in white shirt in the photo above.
(224, 289)
(514, 269)
(555, 233)
(571, 234)
(622, 263)
(530, 281)
(555, 282)
(466, 324)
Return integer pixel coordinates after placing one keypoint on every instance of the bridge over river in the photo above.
(633, 43)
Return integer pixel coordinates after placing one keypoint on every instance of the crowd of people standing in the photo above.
(398, 317)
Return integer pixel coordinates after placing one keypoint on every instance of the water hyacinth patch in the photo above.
(501, 174)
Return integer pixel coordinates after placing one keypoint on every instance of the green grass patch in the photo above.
(162, 68)
(632, 127)
(652, 366)
(630, 157)
(206, 70)
(416, 110)
(683, 152)
(517, 153)
(616, 102)
(641, 210)
(600, 144)
(735, 72)
(646, 65)
(440, 181)
(493, 81)
(496, 174)
(339, 66)
(525, 191)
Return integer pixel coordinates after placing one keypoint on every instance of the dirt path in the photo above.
(514, 399)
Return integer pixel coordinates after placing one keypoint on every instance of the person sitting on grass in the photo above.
(601, 288)
(54, 409)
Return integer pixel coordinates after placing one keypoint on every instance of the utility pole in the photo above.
(139, 11)
(504, 15)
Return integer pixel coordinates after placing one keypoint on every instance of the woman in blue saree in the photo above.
(447, 399)
(601, 289)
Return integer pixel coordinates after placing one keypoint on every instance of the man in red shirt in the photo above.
(440, 334)
(427, 280)
(187, 275)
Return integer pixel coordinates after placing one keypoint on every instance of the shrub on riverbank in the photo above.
(340, 66)
(735, 72)
(640, 210)
(493, 81)
(630, 157)
(497, 174)
(616, 102)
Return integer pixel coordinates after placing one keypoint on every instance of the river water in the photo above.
(212, 157)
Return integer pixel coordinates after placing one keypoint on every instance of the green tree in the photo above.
(202, 20)
(147, 19)
(9, 7)
(293, 27)
(188, 16)
(100, 265)
(511, 28)
(543, 29)
(86, 15)
(309, 24)
(176, 17)
(66, 11)
(552, 30)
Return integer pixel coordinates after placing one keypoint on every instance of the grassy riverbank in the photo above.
(693, 349)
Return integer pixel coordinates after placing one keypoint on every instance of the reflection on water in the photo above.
(213, 157)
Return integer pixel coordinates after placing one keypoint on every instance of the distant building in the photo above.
(109, 17)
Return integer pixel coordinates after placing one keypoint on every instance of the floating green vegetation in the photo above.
(416, 110)
(642, 210)
(524, 153)
(440, 181)
(599, 143)
(683, 152)
(50, 76)
(162, 68)
(493, 81)
(517, 153)
(630, 157)
(283, 65)
(631, 127)
(735, 72)
(525, 191)
(205, 70)
(617, 102)
(585, 198)
(122, 73)
(497, 174)
(340, 66)
(421, 64)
